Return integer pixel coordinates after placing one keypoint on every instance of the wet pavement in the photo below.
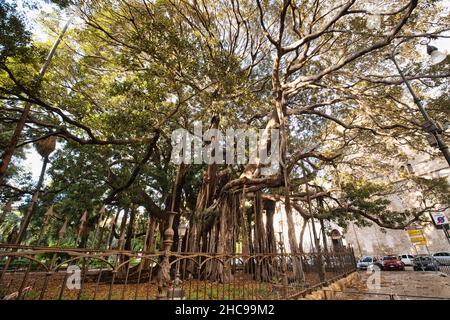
(398, 285)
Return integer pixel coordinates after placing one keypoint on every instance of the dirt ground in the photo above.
(240, 287)
(400, 285)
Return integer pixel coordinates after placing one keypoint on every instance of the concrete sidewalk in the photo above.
(399, 285)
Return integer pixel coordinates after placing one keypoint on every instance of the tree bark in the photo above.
(271, 240)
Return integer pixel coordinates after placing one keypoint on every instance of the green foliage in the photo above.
(364, 202)
(15, 40)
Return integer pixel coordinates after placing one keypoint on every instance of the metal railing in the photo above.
(84, 274)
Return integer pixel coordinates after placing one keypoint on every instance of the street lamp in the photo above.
(181, 233)
(432, 128)
(177, 292)
(436, 56)
(182, 230)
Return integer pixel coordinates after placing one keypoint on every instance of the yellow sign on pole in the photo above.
(421, 243)
(414, 233)
(417, 237)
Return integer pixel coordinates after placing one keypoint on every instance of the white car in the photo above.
(407, 259)
(364, 262)
(443, 258)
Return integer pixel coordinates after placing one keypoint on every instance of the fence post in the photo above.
(321, 266)
(353, 258)
(164, 271)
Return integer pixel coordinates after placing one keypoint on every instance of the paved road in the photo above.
(401, 285)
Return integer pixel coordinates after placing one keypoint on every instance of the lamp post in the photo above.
(174, 292)
(432, 128)
(177, 291)
(164, 271)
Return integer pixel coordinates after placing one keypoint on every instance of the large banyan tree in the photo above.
(128, 73)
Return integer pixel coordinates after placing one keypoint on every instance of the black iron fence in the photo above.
(70, 273)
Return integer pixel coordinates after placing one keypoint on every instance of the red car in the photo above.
(392, 263)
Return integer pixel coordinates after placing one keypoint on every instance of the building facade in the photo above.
(378, 241)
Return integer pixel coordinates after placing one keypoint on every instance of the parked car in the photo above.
(392, 263)
(442, 258)
(378, 263)
(364, 262)
(407, 259)
(424, 262)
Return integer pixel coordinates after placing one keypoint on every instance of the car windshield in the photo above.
(422, 258)
(390, 258)
(366, 259)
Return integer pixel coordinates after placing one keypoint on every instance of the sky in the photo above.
(33, 161)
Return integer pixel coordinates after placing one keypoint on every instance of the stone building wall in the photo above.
(378, 241)
(375, 241)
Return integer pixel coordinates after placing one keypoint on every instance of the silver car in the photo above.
(443, 258)
(364, 262)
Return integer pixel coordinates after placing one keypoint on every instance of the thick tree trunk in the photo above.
(113, 226)
(244, 226)
(324, 236)
(149, 245)
(130, 229)
(271, 240)
(101, 230)
(302, 234)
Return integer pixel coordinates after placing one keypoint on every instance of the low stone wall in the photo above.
(339, 285)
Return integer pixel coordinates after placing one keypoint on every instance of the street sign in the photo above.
(439, 218)
(417, 237)
(422, 242)
(414, 233)
(418, 240)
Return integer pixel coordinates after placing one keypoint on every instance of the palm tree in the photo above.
(44, 147)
